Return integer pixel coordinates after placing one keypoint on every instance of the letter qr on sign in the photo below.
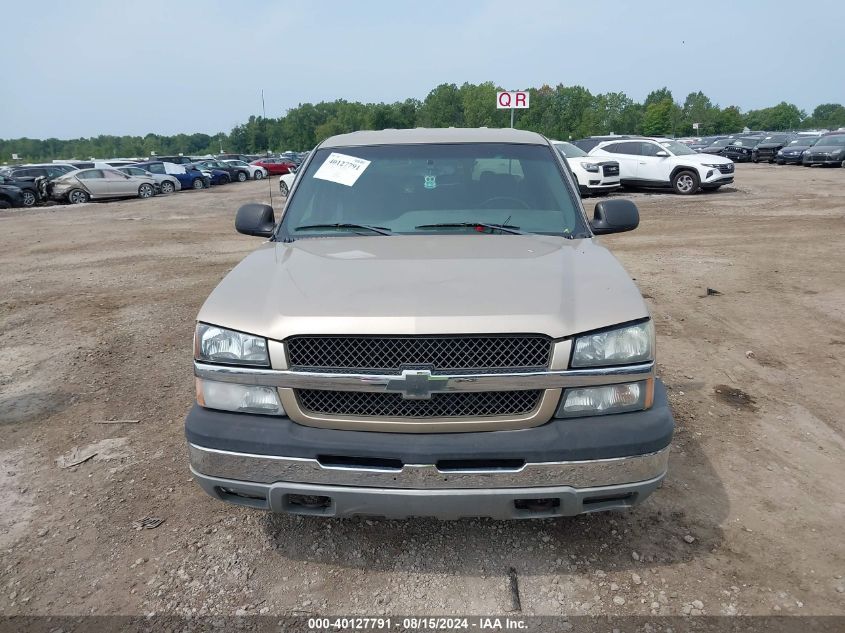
(517, 99)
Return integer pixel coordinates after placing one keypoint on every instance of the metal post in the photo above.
(512, 111)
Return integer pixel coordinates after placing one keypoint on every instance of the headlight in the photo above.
(622, 346)
(217, 345)
(780, 152)
(240, 398)
(590, 167)
(631, 396)
(714, 165)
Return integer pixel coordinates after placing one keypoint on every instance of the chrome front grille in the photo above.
(441, 405)
(727, 169)
(392, 354)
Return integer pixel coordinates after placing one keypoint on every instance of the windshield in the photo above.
(775, 139)
(678, 149)
(804, 142)
(838, 139)
(568, 150)
(407, 188)
(723, 142)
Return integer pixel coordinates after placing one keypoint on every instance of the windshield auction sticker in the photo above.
(342, 169)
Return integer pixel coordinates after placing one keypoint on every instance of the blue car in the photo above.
(192, 178)
(218, 176)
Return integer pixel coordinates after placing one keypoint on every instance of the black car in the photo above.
(740, 150)
(828, 150)
(716, 146)
(10, 197)
(28, 187)
(241, 174)
(705, 141)
(793, 152)
(768, 148)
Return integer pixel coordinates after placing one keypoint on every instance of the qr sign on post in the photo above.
(517, 99)
(342, 169)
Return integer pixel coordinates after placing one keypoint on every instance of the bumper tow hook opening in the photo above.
(537, 506)
(307, 504)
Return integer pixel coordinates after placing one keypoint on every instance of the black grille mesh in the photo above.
(391, 354)
(441, 405)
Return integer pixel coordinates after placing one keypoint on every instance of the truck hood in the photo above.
(425, 284)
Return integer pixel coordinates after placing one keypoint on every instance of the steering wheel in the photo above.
(522, 203)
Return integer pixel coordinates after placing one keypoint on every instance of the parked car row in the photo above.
(76, 182)
(781, 148)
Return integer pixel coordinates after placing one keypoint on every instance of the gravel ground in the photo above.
(97, 304)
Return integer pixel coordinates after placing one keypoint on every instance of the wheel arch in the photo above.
(679, 168)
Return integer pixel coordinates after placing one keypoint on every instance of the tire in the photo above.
(780, 162)
(29, 198)
(77, 196)
(167, 187)
(242, 176)
(283, 188)
(146, 191)
(225, 180)
(198, 184)
(685, 182)
(259, 175)
(4, 204)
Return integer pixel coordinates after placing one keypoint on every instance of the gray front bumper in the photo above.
(546, 489)
(396, 503)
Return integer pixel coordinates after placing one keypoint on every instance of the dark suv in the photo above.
(768, 148)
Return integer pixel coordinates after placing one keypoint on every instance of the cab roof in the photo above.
(435, 135)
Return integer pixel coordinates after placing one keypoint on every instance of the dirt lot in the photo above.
(97, 304)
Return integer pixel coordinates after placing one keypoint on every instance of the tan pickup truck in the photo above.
(430, 329)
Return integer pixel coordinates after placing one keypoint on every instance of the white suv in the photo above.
(661, 162)
(594, 175)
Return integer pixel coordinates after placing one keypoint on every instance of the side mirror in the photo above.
(662, 153)
(615, 216)
(255, 219)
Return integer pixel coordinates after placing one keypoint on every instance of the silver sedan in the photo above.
(83, 185)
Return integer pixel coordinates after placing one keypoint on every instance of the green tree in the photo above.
(443, 107)
(783, 116)
(828, 115)
(729, 121)
(661, 118)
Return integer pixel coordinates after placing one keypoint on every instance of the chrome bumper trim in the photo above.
(576, 474)
(441, 383)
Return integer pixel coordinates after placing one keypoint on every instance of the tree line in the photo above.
(560, 112)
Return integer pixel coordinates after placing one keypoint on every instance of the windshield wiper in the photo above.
(506, 228)
(345, 225)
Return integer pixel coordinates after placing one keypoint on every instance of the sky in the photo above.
(91, 67)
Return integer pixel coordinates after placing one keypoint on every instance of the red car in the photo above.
(275, 166)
